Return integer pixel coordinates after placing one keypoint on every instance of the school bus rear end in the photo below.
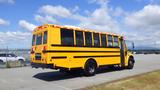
(40, 44)
(44, 55)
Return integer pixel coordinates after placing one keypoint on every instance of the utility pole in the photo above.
(7, 54)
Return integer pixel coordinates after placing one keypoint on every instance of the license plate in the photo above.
(38, 56)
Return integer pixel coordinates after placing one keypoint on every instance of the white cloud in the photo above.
(55, 11)
(26, 25)
(147, 18)
(48, 13)
(145, 23)
(107, 19)
(3, 22)
(45, 19)
(99, 20)
(118, 12)
(7, 1)
(14, 39)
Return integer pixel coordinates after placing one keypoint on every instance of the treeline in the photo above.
(147, 51)
(14, 49)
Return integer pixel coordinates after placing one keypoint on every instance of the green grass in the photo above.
(147, 81)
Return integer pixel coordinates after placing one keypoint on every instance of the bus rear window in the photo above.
(33, 40)
(39, 39)
(45, 37)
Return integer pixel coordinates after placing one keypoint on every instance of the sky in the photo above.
(136, 20)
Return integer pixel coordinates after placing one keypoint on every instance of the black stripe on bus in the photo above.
(59, 57)
(97, 56)
(79, 51)
(82, 46)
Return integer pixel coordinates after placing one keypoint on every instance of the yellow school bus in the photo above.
(69, 48)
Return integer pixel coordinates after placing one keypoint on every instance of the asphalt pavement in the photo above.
(27, 78)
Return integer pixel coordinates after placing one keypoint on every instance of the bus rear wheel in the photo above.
(90, 68)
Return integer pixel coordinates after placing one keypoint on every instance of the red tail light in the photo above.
(44, 48)
(32, 51)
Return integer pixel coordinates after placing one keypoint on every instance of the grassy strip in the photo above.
(147, 81)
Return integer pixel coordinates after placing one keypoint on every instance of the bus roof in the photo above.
(71, 27)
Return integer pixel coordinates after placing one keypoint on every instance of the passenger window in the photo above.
(79, 38)
(110, 41)
(103, 40)
(67, 37)
(116, 44)
(96, 39)
(88, 38)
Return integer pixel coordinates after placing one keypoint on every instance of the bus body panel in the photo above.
(77, 59)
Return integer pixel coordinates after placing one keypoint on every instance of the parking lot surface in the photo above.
(27, 78)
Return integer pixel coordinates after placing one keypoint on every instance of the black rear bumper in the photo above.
(40, 65)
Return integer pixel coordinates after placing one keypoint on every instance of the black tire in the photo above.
(90, 68)
(130, 63)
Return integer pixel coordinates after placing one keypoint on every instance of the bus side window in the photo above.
(96, 39)
(103, 40)
(116, 44)
(110, 41)
(79, 38)
(67, 37)
(88, 38)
